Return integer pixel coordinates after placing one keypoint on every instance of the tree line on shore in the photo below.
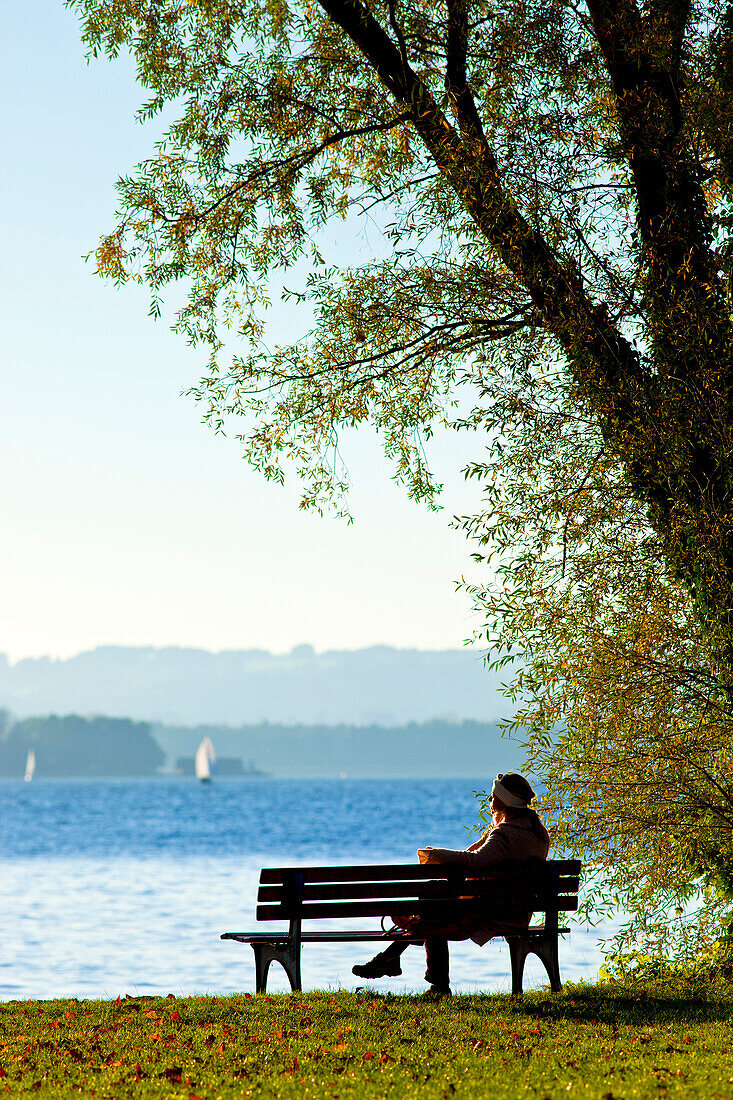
(74, 745)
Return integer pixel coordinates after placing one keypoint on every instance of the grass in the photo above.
(605, 1042)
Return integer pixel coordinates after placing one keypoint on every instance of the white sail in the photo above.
(30, 765)
(205, 760)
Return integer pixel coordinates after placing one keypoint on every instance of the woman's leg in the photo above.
(393, 950)
(385, 964)
(437, 960)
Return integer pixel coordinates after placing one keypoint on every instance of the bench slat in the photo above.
(440, 909)
(500, 893)
(345, 937)
(334, 891)
(366, 936)
(408, 871)
(432, 887)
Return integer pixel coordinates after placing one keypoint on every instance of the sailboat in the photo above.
(205, 761)
(30, 765)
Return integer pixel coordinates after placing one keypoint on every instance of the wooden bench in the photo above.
(441, 891)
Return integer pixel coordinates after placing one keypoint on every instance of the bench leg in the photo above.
(262, 965)
(288, 955)
(545, 949)
(518, 951)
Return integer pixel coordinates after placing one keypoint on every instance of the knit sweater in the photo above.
(511, 839)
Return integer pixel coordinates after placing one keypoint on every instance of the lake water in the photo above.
(110, 887)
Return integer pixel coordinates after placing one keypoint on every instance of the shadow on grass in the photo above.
(623, 1006)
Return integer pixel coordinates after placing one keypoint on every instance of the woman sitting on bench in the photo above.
(516, 833)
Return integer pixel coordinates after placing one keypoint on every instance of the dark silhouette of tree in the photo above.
(71, 745)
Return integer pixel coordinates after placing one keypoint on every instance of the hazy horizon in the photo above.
(186, 686)
(286, 651)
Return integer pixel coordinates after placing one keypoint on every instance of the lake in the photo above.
(123, 886)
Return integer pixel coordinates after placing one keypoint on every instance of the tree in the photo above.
(553, 181)
(618, 701)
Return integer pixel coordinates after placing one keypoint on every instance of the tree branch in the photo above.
(606, 366)
(398, 35)
(455, 336)
(296, 161)
(456, 79)
(643, 59)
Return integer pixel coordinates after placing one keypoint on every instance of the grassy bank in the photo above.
(609, 1043)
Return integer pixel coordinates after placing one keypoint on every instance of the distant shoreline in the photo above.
(75, 746)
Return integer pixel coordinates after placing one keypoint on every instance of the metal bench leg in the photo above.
(546, 950)
(288, 955)
(293, 972)
(518, 951)
(263, 958)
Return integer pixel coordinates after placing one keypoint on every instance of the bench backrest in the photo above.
(436, 890)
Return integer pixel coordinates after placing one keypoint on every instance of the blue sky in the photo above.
(124, 519)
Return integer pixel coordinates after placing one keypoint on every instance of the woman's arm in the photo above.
(492, 848)
(426, 857)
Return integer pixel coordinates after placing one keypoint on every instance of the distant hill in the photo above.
(376, 686)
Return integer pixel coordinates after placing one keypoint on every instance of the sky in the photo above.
(124, 519)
